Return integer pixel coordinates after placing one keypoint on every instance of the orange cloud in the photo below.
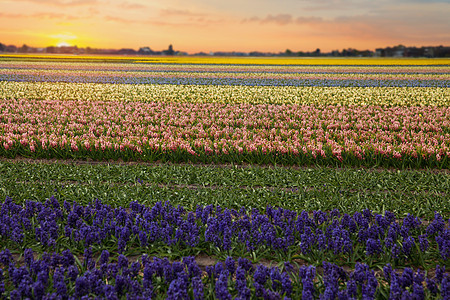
(42, 15)
(127, 5)
(178, 12)
(281, 19)
(63, 2)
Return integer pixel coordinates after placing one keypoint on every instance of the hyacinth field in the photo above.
(224, 178)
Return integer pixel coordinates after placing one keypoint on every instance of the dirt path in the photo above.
(228, 165)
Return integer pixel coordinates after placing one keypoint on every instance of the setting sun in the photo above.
(63, 44)
(62, 39)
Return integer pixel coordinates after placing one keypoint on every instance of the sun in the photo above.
(64, 39)
(63, 44)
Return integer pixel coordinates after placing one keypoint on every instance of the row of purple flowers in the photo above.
(63, 276)
(231, 80)
(312, 236)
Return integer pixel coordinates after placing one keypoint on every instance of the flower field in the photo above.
(287, 134)
(219, 74)
(224, 178)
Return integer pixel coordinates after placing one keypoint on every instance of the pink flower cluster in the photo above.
(214, 129)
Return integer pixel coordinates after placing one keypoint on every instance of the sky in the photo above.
(233, 25)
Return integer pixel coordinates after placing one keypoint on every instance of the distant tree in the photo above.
(2, 47)
(11, 48)
(288, 52)
(50, 49)
(23, 49)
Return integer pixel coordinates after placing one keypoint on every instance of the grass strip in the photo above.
(349, 190)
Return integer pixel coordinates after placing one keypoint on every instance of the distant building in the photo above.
(379, 52)
(257, 53)
(169, 51)
(428, 52)
(145, 51)
(399, 53)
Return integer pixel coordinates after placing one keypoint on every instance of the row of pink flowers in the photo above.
(218, 129)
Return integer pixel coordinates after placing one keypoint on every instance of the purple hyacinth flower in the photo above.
(197, 286)
(387, 271)
(275, 276)
(38, 290)
(68, 258)
(445, 288)
(72, 272)
(408, 244)
(5, 257)
(230, 265)
(241, 282)
(373, 247)
(82, 286)
(222, 292)
(395, 288)
(192, 266)
(286, 284)
(104, 257)
(15, 295)
(423, 242)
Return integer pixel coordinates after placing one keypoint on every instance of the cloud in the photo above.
(63, 3)
(196, 22)
(409, 27)
(58, 16)
(253, 19)
(309, 20)
(423, 1)
(178, 12)
(338, 5)
(128, 5)
(283, 19)
(136, 21)
(280, 19)
(168, 17)
(52, 16)
(417, 24)
(13, 16)
(119, 19)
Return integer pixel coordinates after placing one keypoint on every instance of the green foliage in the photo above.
(401, 191)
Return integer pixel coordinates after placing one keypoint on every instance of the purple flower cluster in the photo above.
(414, 285)
(232, 80)
(329, 234)
(59, 276)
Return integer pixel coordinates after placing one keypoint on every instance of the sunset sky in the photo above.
(218, 25)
